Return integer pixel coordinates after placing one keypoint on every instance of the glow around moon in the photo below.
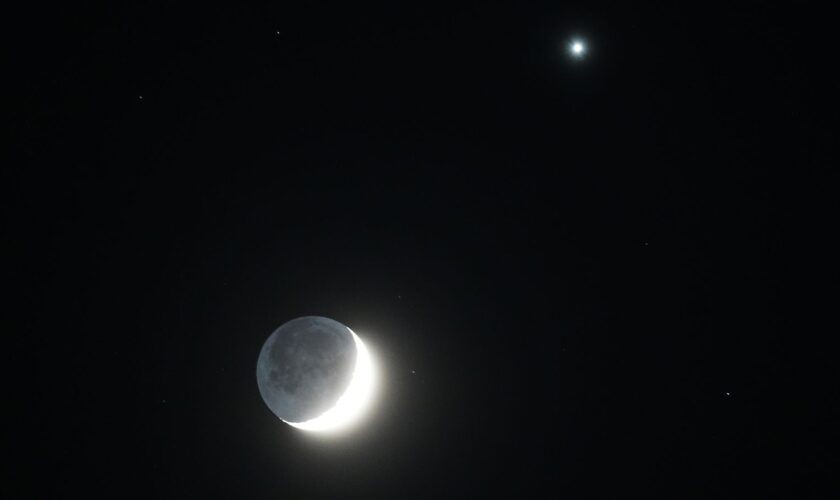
(355, 400)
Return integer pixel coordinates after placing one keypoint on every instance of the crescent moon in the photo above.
(355, 400)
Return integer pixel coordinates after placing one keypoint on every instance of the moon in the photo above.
(315, 374)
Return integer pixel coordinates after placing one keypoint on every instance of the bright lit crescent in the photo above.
(355, 400)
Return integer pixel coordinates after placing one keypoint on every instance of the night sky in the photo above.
(580, 278)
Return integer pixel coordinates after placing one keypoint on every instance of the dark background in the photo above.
(581, 279)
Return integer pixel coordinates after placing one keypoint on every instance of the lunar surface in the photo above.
(314, 373)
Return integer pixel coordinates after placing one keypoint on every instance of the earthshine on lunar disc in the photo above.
(315, 374)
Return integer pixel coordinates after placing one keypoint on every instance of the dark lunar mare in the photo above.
(305, 366)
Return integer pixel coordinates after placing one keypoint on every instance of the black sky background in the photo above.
(581, 279)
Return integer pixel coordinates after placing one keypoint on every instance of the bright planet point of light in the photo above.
(577, 48)
(355, 400)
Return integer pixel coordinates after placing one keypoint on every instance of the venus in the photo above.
(577, 48)
(315, 374)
